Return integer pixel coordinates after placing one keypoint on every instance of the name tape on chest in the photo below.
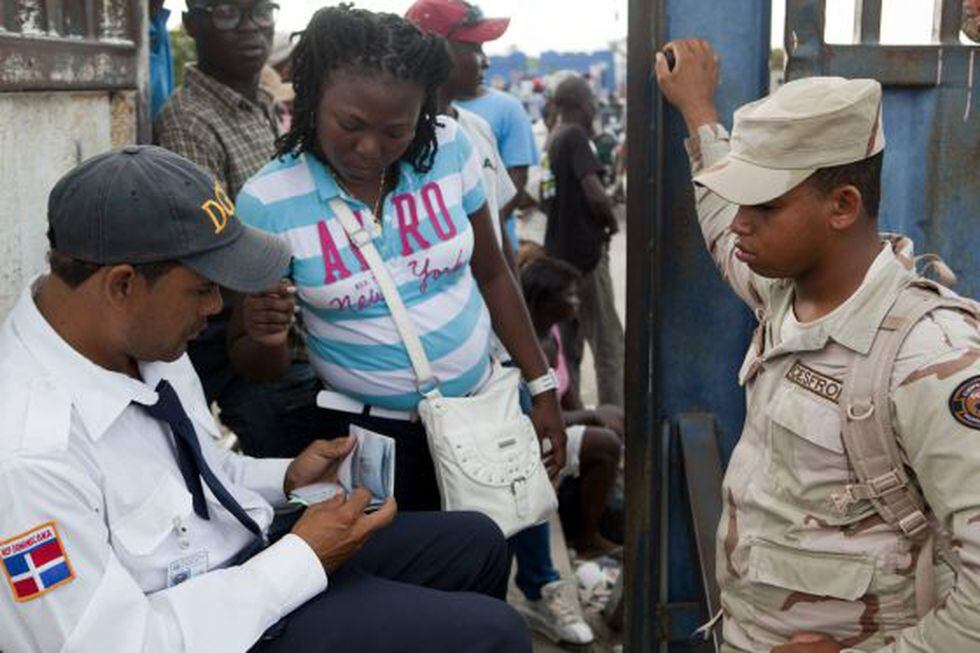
(35, 562)
(819, 384)
(964, 403)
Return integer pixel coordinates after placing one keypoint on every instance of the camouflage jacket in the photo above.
(787, 559)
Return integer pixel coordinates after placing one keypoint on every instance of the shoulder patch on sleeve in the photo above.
(35, 562)
(964, 403)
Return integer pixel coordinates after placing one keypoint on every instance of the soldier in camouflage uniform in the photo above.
(788, 209)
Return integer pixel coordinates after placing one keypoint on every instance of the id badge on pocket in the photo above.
(187, 567)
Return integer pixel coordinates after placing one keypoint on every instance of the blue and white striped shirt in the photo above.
(427, 243)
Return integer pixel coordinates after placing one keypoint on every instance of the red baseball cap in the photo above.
(456, 20)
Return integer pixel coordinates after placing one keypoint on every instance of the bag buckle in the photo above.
(360, 237)
(518, 487)
(428, 386)
(913, 524)
(886, 483)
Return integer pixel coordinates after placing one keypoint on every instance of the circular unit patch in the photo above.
(964, 403)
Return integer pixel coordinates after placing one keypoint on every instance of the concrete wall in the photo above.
(42, 136)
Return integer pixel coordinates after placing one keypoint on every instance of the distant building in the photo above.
(600, 66)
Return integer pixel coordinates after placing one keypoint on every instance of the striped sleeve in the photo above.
(255, 213)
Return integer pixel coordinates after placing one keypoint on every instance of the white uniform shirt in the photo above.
(80, 463)
(497, 183)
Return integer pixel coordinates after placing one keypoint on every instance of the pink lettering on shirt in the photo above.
(425, 272)
(408, 222)
(431, 192)
(333, 264)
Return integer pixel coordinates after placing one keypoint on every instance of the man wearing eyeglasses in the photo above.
(224, 121)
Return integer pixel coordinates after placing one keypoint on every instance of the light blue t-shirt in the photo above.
(510, 123)
(427, 242)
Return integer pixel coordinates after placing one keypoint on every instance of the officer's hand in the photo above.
(546, 416)
(318, 463)
(267, 316)
(691, 85)
(338, 528)
(809, 643)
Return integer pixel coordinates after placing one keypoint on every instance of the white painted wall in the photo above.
(42, 136)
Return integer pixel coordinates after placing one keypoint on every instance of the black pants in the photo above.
(415, 478)
(425, 583)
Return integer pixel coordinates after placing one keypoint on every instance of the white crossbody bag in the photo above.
(485, 450)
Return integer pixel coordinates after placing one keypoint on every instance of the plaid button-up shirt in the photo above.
(218, 128)
(231, 137)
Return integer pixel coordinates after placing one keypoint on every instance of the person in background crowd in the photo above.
(367, 133)
(109, 541)
(580, 224)
(595, 437)
(537, 577)
(223, 120)
(161, 63)
(505, 113)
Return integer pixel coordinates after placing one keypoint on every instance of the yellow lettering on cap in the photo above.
(219, 209)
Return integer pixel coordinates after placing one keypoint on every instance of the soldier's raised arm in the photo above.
(690, 86)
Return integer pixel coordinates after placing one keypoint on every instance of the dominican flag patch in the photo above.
(35, 562)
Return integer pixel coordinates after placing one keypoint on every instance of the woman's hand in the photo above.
(546, 416)
(268, 316)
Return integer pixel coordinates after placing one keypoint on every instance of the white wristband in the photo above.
(543, 383)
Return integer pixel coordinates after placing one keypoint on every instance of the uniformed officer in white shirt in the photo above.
(124, 527)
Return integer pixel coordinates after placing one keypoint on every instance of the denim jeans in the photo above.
(532, 546)
(276, 419)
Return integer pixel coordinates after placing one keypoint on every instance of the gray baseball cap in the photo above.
(145, 204)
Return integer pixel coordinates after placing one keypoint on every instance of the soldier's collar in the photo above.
(854, 327)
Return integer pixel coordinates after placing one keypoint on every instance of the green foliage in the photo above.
(183, 52)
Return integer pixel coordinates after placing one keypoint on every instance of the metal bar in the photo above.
(91, 29)
(868, 15)
(643, 461)
(905, 65)
(139, 25)
(663, 590)
(948, 21)
(53, 17)
(703, 474)
(46, 65)
(803, 38)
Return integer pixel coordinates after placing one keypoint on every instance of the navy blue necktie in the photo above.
(190, 460)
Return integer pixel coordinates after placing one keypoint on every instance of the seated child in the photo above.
(594, 436)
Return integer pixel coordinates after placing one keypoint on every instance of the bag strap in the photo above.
(426, 381)
(867, 430)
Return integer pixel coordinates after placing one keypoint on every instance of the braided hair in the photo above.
(360, 41)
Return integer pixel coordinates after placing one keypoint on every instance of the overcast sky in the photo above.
(565, 25)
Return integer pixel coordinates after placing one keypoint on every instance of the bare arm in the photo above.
(600, 206)
(512, 324)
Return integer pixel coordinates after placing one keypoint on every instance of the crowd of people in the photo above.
(128, 527)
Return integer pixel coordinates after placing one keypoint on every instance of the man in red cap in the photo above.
(466, 29)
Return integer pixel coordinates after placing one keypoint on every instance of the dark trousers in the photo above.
(425, 583)
(415, 477)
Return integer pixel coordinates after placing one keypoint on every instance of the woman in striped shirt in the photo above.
(366, 131)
